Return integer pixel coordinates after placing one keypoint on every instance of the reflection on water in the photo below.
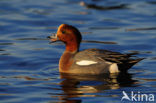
(84, 85)
(31, 39)
(137, 29)
(102, 42)
(6, 43)
(94, 6)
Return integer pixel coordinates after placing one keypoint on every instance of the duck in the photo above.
(89, 61)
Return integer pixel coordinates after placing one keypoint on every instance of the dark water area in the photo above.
(29, 64)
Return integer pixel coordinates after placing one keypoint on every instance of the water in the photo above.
(29, 64)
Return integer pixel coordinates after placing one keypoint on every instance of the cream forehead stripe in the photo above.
(86, 62)
(60, 26)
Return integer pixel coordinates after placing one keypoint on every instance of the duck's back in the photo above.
(97, 61)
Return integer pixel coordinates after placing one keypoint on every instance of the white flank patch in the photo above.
(114, 68)
(86, 62)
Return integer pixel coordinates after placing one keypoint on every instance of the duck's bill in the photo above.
(53, 38)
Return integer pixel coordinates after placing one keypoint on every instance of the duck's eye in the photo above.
(63, 32)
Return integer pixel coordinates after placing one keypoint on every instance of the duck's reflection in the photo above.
(75, 86)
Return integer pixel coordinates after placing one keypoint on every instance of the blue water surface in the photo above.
(29, 64)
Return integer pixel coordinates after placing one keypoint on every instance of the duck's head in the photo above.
(69, 35)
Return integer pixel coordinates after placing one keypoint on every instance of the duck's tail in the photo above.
(134, 61)
(127, 65)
